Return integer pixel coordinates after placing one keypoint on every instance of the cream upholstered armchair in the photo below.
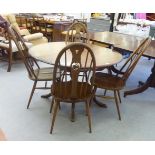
(7, 45)
(36, 38)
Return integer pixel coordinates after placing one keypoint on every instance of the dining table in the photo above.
(48, 53)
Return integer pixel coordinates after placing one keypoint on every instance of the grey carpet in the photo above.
(18, 123)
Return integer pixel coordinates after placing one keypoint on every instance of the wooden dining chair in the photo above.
(46, 28)
(69, 83)
(77, 32)
(116, 82)
(35, 73)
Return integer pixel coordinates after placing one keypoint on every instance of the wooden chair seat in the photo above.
(43, 74)
(59, 91)
(107, 81)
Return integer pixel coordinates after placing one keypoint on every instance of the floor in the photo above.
(18, 123)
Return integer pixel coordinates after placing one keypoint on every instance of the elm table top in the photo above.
(48, 52)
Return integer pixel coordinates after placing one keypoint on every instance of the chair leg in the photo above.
(45, 84)
(105, 91)
(10, 61)
(32, 92)
(117, 105)
(54, 115)
(89, 116)
(118, 93)
(73, 112)
(52, 104)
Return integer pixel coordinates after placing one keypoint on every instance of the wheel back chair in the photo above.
(77, 32)
(35, 73)
(116, 82)
(69, 83)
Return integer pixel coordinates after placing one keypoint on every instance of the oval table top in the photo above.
(48, 52)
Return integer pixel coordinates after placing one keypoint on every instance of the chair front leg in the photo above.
(89, 115)
(54, 114)
(9, 60)
(32, 92)
(73, 112)
(117, 105)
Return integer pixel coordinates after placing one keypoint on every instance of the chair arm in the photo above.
(33, 36)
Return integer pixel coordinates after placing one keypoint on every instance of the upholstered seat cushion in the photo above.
(33, 36)
(108, 81)
(14, 47)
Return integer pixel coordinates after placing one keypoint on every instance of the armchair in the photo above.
(35, 38)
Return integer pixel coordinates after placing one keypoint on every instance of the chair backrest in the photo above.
(30, 63)
(83, 20)
(131, 62)
(77, 32)
(74, 64)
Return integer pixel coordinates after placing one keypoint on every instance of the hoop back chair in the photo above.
(117, 82)
(83, 20)
(77, 32)
(35, 73)
(69, 83)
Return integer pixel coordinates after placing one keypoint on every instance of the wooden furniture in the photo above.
(35, 73)
(77, 32)
(46, 29)
(49, 51)
(69, 83)
(119, 40)
(83, 21)
(34, 39)
(150, 82)
(7, 45)
(128, 43)
(58, 28)
(117, 82)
